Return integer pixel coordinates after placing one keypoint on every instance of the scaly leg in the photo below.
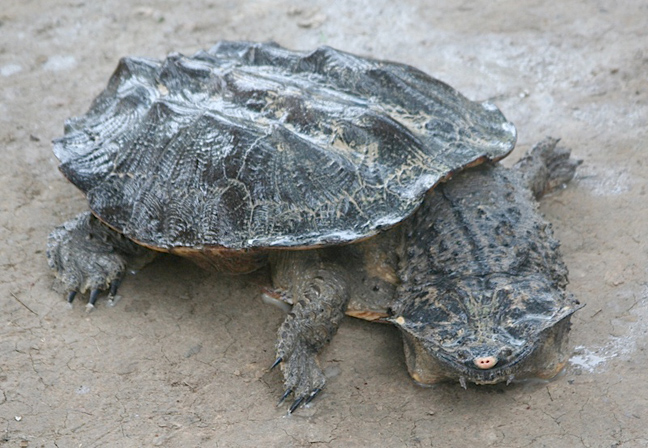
(318, 288)
(87, 255)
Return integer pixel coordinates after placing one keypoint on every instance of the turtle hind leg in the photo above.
(86, 255)
(546, 167)
(319, 291)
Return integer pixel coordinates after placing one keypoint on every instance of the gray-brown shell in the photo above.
(252, 145)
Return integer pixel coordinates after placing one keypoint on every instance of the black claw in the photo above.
(276, 363)
(284, 396)
(295, 405)
(113, 288)
(94, 295)
(313, 394)
(71, 296)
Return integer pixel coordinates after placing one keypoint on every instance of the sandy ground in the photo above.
(181, 361)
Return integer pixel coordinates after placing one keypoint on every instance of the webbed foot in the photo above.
(297, 354)
(86, 255)
(303, 377)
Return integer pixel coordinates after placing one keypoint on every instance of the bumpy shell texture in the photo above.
(252, 146)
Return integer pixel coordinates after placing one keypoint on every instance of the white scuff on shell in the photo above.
(510, 128)
(489, 106)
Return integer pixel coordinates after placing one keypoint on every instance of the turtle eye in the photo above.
(506, 352)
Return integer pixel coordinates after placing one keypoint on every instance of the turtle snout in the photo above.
(485, 362)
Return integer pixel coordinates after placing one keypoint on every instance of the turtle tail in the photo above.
(546, 167)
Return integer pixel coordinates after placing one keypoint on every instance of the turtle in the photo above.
(334, 170)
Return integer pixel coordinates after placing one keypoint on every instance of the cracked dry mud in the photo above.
(181, 360)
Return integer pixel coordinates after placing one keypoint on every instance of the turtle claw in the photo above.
(312, 395)
(284, 396)
(113, 298)
(300, 401)
(94, 295)
(114, 286)
(295, 404)
(70, 297)
(276, 363)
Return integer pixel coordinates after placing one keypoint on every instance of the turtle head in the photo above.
(485, 331)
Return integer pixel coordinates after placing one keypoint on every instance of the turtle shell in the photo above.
(251, 145)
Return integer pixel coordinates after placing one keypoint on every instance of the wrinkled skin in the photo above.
(483, 297)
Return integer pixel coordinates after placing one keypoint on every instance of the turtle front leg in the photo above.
(318, 289)
(87, 255)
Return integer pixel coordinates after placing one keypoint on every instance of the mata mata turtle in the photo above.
(248, 154)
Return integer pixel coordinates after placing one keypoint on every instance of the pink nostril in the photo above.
(485, 362)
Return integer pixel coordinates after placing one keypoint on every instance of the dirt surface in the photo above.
(181, 360)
